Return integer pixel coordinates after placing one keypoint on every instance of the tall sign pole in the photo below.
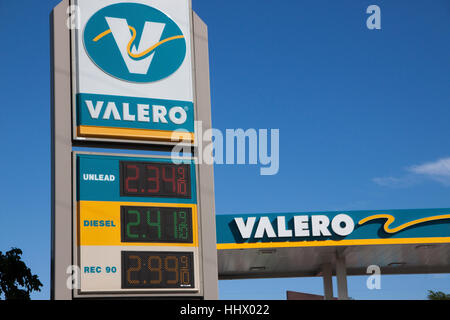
(130, 76)
(61, 148)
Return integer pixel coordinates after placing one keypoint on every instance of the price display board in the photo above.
(136, 224)
(157, 269)
(151, 179)
(156, 224)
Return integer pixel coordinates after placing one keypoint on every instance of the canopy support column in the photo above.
(327, 275)
(341, 275)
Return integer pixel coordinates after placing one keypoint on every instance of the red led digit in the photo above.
(181, 173)
(131, 178)
(181, 182)
(170, 179)
(154, 179)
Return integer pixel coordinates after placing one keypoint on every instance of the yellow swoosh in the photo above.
(390, 220)
(101, 35)
(144, 53)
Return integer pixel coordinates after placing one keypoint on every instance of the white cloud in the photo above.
(438, 171)
(393, 182)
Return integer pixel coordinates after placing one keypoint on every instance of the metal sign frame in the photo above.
(198, 271)
(75, 66)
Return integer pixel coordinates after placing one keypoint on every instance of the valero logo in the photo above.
(134, 42)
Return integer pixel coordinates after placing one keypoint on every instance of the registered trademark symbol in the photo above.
(186, 108)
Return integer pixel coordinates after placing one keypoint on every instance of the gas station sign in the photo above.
(130, 225)
(324, 229)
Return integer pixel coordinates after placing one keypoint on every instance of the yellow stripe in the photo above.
(134, 134)
(111, 236)
(101, 35)
(130, 43)
(331, 243)
(391, 219)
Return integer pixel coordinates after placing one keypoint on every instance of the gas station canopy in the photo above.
(300, 244)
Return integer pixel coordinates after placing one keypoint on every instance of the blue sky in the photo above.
(363, 118)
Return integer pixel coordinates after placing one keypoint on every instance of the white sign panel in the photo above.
(133, 70)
